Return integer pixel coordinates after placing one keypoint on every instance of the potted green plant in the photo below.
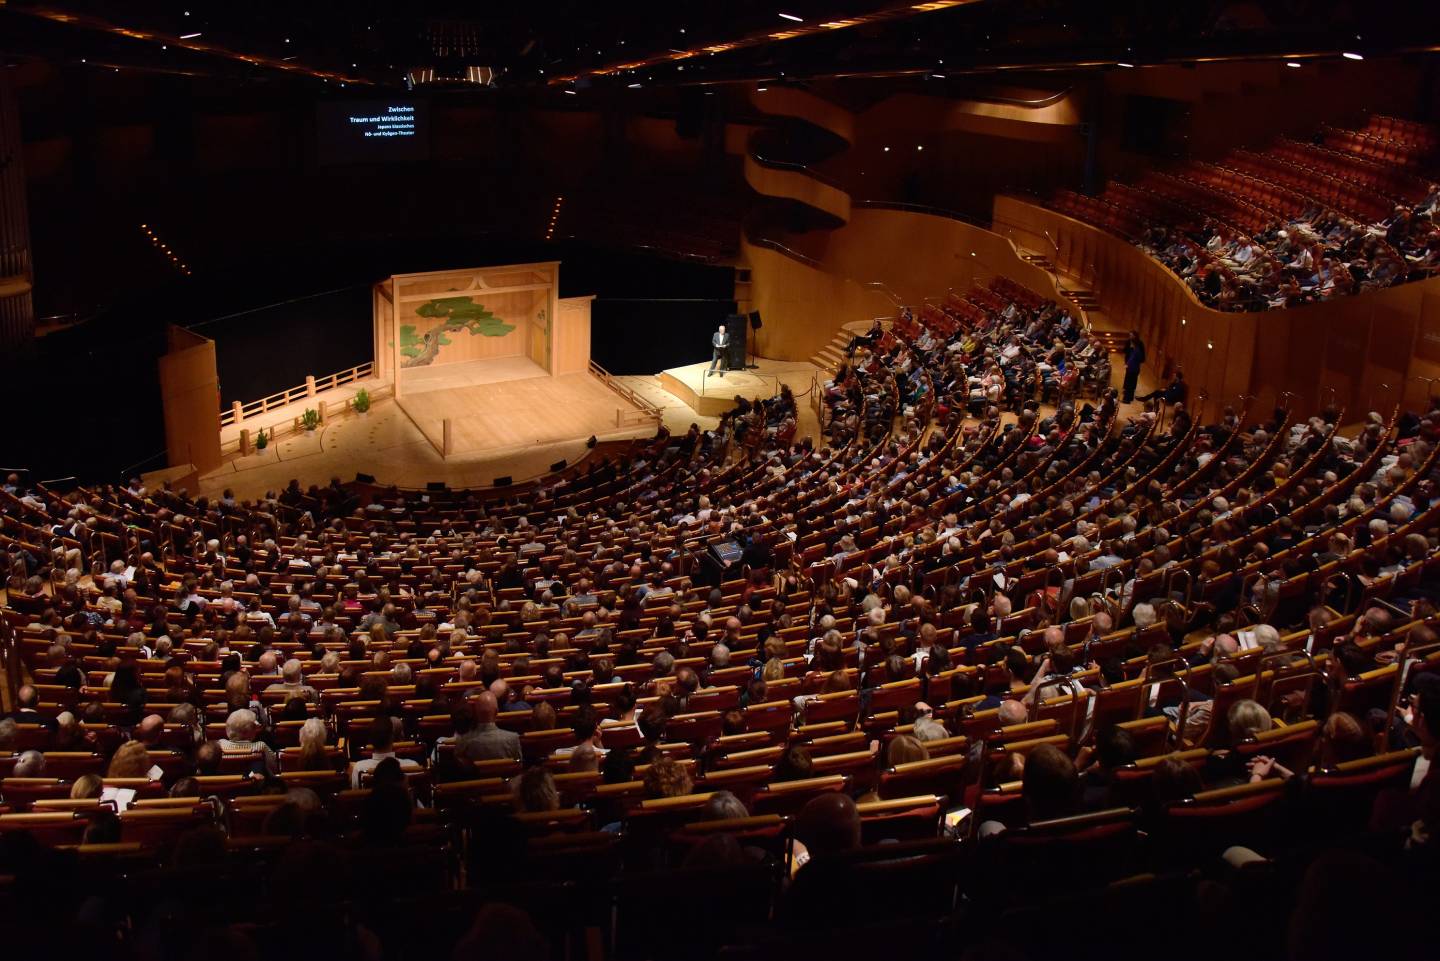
(310, 419)
(261, 441)
(361, 403)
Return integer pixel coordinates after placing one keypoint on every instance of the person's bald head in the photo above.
(1226, 646)
(1011, 712)
(28, 697)
(149, 729)
(486, 707)
(469, 670)
(30, 764)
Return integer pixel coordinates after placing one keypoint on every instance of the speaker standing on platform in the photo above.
(719, 341)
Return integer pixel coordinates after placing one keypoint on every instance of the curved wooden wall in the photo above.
(1368, 351)
(793, 102)
(862, 269)
(796, 185)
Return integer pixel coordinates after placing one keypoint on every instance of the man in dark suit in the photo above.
(27, 708)
(486, 741)
(719, 343)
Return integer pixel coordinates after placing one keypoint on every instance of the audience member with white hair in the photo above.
(242, 736)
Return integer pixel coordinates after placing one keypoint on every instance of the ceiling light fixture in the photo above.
(1351, 55)
(1121, 63)
(791, 16)
(189, 36)
(1292, 63)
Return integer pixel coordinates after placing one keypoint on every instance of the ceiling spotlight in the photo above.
(938, 76)
(571, 93)
(791, 16)
(1351, 55)
(189, 36)
(1292, 63)
(1121, 63)
(633, 86)
(761, 89)
(919, 146)
(887, 149)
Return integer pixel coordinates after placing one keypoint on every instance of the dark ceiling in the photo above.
(555, 44)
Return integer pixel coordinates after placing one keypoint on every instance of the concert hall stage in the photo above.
(714, 395)
(502, 403)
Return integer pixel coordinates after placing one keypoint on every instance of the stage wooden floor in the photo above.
(510, 403)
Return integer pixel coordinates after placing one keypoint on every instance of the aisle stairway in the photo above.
(832, 355)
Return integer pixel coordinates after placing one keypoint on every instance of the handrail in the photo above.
(290, 395)
(608, 379)
(790, 252)
(1049, 100)
(796, 166)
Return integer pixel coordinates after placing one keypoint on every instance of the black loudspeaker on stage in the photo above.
(559, 465)
(503, 481)
(364, 478)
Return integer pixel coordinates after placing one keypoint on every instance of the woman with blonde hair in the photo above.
(312, 746)
(1246, 719)
(86, 786)
(905, 749)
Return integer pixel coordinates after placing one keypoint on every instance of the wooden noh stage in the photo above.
(492, 358)
(482, 361)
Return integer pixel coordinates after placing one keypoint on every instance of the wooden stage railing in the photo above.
(239, 413)
(623, 417)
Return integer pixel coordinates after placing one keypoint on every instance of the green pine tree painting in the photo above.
(454, 314)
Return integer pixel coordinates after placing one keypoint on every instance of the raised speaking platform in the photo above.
(711, 394)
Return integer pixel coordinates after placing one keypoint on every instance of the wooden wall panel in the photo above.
(879, 253)
(190, 395)
(570, 338)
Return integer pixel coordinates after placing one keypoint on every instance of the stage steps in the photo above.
(1087, 299)
(832, 355)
